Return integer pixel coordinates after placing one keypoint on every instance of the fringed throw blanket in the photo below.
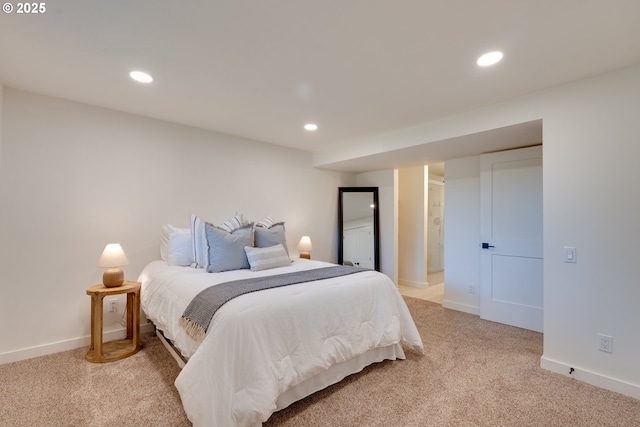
(198, 314)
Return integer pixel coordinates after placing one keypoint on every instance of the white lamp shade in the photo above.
(112, 256)
(305, 244)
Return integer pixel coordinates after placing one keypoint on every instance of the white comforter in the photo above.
(261, 344)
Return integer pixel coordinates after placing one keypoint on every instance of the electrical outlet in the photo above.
(472, 289)
(113, 306)
(605, 343)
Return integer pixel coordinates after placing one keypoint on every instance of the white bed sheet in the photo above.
(262, 344)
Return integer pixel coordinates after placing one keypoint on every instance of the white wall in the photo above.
(76, 177)
(462, 235)
(591, 140)
(385, 181)
(412, 237)
(591, 201)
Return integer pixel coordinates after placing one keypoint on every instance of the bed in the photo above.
(267, 349)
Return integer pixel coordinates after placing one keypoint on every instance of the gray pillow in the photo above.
(226, 250)
(266, 258)
(274, 235)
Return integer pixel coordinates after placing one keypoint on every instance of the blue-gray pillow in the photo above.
(226, 250)
(274, 235)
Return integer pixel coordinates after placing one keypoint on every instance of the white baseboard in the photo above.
(411, 283)
(590, 377)
(472, 309)
(56, 347)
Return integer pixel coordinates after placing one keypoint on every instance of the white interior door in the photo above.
(511, 231)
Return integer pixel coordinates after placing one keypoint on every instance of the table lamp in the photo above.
(305, 247)
(112, 257)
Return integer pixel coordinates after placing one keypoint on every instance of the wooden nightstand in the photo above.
(100, 352)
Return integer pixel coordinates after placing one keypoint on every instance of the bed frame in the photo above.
(173, 351)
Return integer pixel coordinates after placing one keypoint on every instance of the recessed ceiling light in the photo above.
(489, 58)
(141, 77)
(311, 126)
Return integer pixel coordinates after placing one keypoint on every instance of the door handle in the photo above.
(486, 245)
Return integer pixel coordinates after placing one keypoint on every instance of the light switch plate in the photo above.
(570, 254)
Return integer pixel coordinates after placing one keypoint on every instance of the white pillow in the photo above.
(176, 247)
(266, 258)
(198, 242)
(164, 242)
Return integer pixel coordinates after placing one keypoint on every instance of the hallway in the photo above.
(433, 293)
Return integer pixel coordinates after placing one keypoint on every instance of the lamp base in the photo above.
(305, 255)
(113, 277)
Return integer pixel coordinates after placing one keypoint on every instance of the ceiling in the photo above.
(435, 153)
(357, 68)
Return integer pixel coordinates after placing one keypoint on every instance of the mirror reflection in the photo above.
(358, 226)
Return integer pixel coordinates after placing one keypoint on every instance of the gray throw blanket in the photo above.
(198, 314)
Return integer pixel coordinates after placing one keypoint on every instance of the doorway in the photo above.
(435, 225)
(421, 232)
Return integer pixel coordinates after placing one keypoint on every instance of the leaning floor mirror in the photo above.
(358, 227)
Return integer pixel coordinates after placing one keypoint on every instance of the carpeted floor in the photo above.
(63, 389)
(474, 373)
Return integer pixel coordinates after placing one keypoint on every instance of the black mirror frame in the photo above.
(376, 222)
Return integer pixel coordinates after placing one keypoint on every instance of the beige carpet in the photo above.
(64, 389)
(474, 373)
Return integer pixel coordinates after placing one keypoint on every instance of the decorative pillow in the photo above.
(199, 242)
(226, 250)
(266, 258)
(200, 248)
(267, 222)
(274, 235)
(176, 247)
(236, 222)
